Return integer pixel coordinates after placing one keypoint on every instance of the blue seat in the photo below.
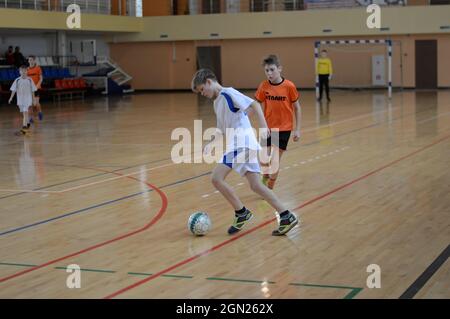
(66, 73)
(12, 74)
(60, 72)
(46, 73)
(50, 73)
(4, 76)
(54, 73)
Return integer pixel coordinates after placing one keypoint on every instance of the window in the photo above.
(291, 5)
(138, 8)
(211, 6)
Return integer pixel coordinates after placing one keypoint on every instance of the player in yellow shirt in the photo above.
(324, 69)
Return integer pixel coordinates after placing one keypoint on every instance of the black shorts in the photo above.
(37, 93)
(283, 139)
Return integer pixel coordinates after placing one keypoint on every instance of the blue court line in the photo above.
(6, 232)
(83, 178)
(48, 186)
(174, 183)
(162, 187)
(66, 215)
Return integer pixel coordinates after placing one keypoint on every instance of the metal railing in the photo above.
(235, 6)
(86, 6)
(275, 5)
(192, 7)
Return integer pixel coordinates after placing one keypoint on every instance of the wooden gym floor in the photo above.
(94, 185)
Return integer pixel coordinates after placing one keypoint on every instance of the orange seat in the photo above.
(76, 84)
(67, 84)
(58, 84)
(82, 83)
(64, 84)
(70, 83)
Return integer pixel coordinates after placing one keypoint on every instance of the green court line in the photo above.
(353, 290)
(171, 276)
(18, 265)
(353, 293)
(178, 276)
(139, 274)
(320, 286)
(87, 269)
(240, 280)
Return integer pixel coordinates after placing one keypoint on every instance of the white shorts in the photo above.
(23, 108)
(242, 160)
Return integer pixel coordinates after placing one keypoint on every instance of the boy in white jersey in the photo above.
(231, 108)
(25, 88)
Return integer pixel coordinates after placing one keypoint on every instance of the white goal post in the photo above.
(386, 42)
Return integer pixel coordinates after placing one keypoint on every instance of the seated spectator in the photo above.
(19, 59)
(9, 56)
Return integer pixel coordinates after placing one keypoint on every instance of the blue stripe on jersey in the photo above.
(230, 102)
(229, 157)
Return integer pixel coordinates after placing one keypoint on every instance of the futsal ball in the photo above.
(199, 223)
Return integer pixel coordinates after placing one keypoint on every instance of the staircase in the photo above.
(117, 77)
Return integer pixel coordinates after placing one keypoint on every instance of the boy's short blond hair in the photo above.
(271, 60)
(200, 78)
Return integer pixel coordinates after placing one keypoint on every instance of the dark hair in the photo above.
(23, 66)
(33, 57)
(200, 78)
(271, 59)
(324, 51)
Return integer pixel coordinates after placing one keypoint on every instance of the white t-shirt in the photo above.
(232, 120)
(24, 89)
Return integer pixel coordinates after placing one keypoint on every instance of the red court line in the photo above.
(152, 222)
(236, 237)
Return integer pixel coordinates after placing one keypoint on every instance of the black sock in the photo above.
(241, 211)
(284, 214)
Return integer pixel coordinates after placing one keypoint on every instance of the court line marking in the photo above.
(82, 210)
(433, 118)
(21, 191)
(426, 275)
(6, 190)
(162, 210)
(13, 230)
(92, 183)
(236, 237)
(344, 148)
(354, 290)
(153, 144)
(207, 195)
(83, 178)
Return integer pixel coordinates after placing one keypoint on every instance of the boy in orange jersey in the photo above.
(231, 108)
(279, 97)
(35, 73)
